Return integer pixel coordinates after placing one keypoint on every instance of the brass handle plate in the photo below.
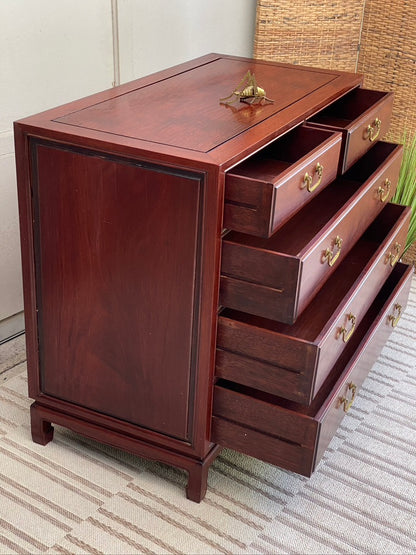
(346, 334)
(344, 401)
(384, 191)
(394, 255)
(373, 130)
(394, 319)
(307, 180)
(331, 256)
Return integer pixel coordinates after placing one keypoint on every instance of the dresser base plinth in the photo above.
(42, 433)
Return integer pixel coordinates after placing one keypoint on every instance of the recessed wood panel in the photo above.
(185, 110)
(116, 254)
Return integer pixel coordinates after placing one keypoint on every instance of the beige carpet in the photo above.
(76, 496)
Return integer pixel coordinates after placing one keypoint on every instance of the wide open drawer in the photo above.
(363, 116)
(265, 190)
(277, 277)
(293, 361)
(293, 436)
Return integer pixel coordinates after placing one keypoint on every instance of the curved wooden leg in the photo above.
(42, 430)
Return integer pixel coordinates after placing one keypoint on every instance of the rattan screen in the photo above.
(313, 33)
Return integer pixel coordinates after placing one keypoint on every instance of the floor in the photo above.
(12, 357)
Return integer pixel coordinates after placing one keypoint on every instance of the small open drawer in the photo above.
(293, 436)
(277, 277)
(363, 117)
(293, 361)
(265, 190)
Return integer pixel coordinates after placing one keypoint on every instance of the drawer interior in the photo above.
(348, 108)
(316, 315)
(302, 228)
(285, 151)
(306, 224)
(342, 362)
(371, 161)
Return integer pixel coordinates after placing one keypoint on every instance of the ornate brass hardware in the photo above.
(344, 401)
(394, 320)
(373, 131)
(384, 191)
(394, 255)
(307, 180)
(346, 334)
(329, 255)
(247, 91)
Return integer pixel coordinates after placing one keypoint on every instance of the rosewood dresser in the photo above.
(199, 274)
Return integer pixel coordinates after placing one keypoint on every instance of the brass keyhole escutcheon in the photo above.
(373, 130)
(331, 256)
(384, 191)
(344, 332)
(308, 179)
(395, 317)
(344, 401)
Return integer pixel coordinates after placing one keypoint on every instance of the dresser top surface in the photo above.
(180, 108)
(185, 110)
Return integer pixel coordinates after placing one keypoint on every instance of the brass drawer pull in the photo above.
(394, 255)
(331, 257)
(344, 401)
(394, 320)
(383, 192)
(373, 131)
(307, 180)
(346, 334)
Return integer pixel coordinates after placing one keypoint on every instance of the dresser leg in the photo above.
(198, 476)
(197, 482)
(42, 430)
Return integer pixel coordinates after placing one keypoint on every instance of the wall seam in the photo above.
(116, 44)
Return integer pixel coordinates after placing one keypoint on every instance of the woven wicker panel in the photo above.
(313, 33)
(388, 58)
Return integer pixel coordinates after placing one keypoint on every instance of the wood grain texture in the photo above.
(278, 277)
(352, 115)
(263, 192)
(118, 286)
(292, 435)
(293, 361)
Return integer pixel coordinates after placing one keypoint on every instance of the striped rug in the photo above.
(77, 496)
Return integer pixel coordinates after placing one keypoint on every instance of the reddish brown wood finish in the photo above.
(352, 115)
(276, 278)
(117, 243)
(293, 361)
(291, 435)
(121, 199)
(262, 193)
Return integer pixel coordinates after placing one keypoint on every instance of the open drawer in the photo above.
(265, 190)
(293, 436)
(363, 116)
(277, 277)
(293, 361)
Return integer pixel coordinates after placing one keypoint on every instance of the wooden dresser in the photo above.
(200, 275)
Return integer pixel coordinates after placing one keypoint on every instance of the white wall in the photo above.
(157, 34)
(54, 51)
(51, 52)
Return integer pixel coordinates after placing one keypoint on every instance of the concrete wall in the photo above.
(54, 51)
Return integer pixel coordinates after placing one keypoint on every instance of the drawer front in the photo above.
(258, 278)
(346, 319)
(336, 241)
(295, 437)
(286, 360)
(262, 193)
(363, 133)
(363, 116)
